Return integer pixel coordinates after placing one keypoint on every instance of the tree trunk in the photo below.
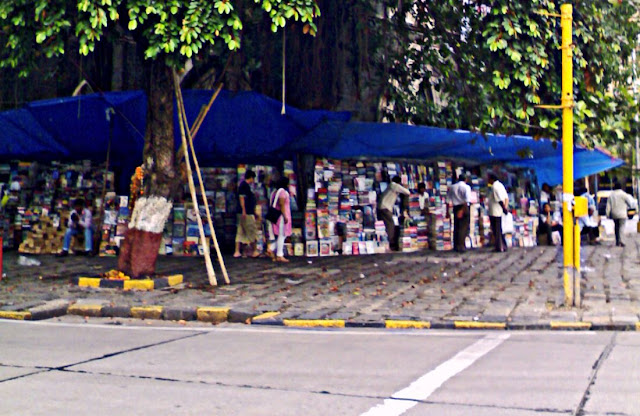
(117, 70)
(139, 250)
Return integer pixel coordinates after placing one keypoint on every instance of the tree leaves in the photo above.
(173, 30)
(484, 68)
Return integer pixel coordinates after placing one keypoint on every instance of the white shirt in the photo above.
(459, 194)
(544, 197)
(85, 218)
(556, 216)
(390, 195)
(618, 203)
(497, 194)
(422, 199)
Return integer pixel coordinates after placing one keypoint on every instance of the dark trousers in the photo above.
(496, 230)
(619, 225)
(387, 217)
(460, 226)
(545, 229)
(592, 233)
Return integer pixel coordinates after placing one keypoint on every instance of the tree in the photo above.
(170, 33)
(484, 66)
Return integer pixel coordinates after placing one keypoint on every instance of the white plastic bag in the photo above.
(507, 224)
(26, 261)
(609, 226)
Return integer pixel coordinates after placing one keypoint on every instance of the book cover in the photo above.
(312, 248)
(179, 230)
(179, 214)
(325, 247)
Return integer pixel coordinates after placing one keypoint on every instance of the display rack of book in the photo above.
(341, 206)
(181, 236)
(115, 222)
(37, 198)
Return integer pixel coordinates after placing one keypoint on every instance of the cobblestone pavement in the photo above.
(522, 287)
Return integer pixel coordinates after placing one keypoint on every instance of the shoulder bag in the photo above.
(273, 213)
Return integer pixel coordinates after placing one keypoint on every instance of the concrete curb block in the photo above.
(570, 326)
(267, 318)
(132, 284)
(16, 315)
(146, 312)
(93, 311)
(116, 311)
(179, 314)
(50, 310)
(240, 316)
(314, 323)
(363, 324)
(213, 314)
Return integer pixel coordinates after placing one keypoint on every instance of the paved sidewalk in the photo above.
(519, 289)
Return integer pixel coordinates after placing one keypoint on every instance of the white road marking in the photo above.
(423, 387)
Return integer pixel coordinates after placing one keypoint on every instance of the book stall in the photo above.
(37, 199)
(181, 235)
(340, 216)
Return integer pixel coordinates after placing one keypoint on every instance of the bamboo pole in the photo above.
(204, 196)
(192, 188)
(96, 238)
(198, 122)
(197, 126)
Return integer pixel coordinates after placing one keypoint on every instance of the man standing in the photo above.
(498, 203)
(385, 210)
(459, 197)
(247, 232)
(423, 199)
(617, 205)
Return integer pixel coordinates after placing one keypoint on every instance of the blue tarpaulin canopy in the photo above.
(24, 138)
(240, 127)
(248, 127)
(342, 140)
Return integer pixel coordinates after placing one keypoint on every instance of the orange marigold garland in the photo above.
(137, 183)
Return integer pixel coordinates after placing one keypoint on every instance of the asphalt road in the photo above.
(72, 367)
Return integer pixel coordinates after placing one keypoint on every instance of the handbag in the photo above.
(273, 213)
(507, 224)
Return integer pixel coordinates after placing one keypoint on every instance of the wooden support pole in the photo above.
(198, 122)
(204, 196)
(196, 126)
(192, 188)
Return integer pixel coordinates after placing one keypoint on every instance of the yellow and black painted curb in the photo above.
(221, 314)
(16, 315)
(131, 284)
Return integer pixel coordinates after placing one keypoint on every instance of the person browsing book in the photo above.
(498, 206)
(282, 228)
(385, 210)
(247, 232)
(459, 197)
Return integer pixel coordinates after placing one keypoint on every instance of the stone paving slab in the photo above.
(515, 290)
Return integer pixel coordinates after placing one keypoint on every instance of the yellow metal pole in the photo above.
(567, 154)
(576, 257)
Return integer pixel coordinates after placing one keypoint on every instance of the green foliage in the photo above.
(465, 65)
(173, 30)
